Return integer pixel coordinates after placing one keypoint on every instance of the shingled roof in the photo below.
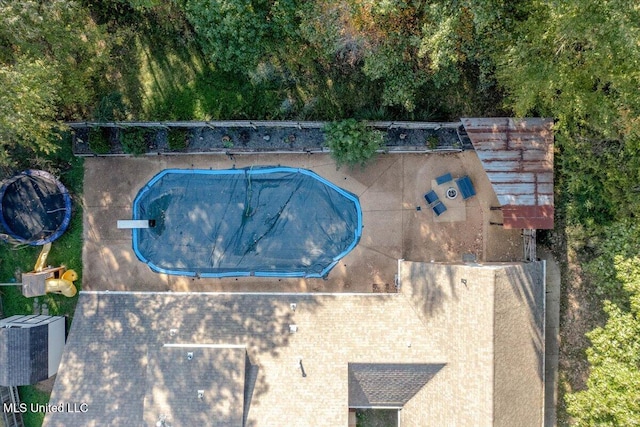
(30, 348)
(309, 353)
(387, 384)
(183, 382)
(517, 155)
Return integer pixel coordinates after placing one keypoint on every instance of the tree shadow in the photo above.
(157, 354)
(527, 288)
(430, 289)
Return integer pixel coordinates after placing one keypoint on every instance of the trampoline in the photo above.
(35, 208)
(269, 222)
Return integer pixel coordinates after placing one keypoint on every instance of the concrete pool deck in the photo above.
(390, 190)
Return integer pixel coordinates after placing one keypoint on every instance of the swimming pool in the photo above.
(268, 221)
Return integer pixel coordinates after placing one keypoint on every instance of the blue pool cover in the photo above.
(270, 221)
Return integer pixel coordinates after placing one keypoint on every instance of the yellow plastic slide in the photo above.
(63, 285)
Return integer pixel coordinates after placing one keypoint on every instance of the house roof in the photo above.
(26, 352)
(387, 384)
(490, 320)
(183, 382)
(517, 155)
(303, 361)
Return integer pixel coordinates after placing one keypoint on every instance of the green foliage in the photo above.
(50, 53)
(344, 58)
(31, 395)
(159, 69)
(227, 142)
(401, 81)
(61, 34)
(613, 395)
(429, 57)
(99, 140)
(394, 59)
(28, 94)
(376, 417)
(111, 108)
(577, 61)
(134, 140)
(177, 138)
(352, 142)
(237, 35)
(432, 142)
(620, 239)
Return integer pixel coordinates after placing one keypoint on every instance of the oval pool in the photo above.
(270, 221)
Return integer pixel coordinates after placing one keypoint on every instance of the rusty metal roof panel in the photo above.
(545, 177)
(517, 200)
(517, 155)
(501, 166)
(498, 177)
(519, 188)
(500, 155)
(527, 216)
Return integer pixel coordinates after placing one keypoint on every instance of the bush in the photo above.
(620, 239)
(99, 140)
(352, 142)
(177, 139)
(134, 141)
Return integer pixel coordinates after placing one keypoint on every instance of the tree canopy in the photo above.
(577, 61)
(50, 51)
(613, 396)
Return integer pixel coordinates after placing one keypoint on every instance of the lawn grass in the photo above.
(177, 84)
(33, 395)
(160, 74)
(67, 250)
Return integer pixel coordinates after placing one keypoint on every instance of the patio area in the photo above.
(390, 191)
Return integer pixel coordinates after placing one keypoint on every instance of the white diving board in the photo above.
(134, 223)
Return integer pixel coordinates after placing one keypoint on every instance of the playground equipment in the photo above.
(46, 279)
(35, 208)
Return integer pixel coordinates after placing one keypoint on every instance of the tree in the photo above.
(28, 95)
(618, 240)
(435, 54)
(576, 61)
(613, 396)
(239, 34)
(62, 34)
(51, 52)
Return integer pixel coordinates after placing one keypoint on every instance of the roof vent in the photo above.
(293, 306)
(200, 394)
(173, 332)
(293, 329)
(190, 355)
